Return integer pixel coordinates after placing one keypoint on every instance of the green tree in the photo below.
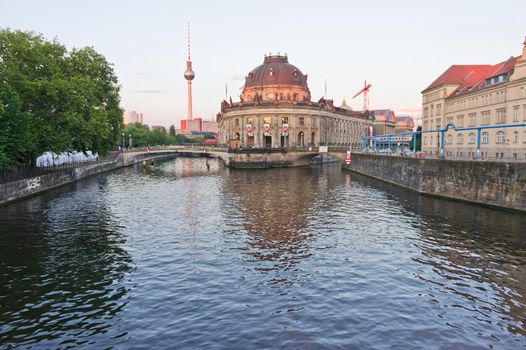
(61, 101)
(140, 134)
(172, 131)
(14, 127)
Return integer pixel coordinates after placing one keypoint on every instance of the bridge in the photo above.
(240, 158)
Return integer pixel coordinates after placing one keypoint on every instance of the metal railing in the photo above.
(28, 171)
(371, 142)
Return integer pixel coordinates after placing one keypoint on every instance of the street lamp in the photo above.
(122, 149)
(130, 145)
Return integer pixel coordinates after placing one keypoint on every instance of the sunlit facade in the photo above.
(275, 111)
(476, 96)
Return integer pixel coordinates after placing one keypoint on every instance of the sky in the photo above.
(399, 47)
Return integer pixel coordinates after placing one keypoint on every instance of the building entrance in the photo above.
(301, 139)
(267, 141)
(250, 141)
(284, 141)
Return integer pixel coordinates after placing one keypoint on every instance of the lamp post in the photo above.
(122, 149)
(130, 145)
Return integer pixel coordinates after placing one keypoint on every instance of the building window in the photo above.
(522, 92)
(460, 121)
(425, 125)
(425, 140)
(516, 114)
(460, 139)
(302, 121)
(471, 138)
(439, 109)
(449, 139)
(485, 118)
(438, 123)
(501, 137)
(501, 116)
(284, 120)
(266, 120)
(237, 123)
(515, 137)
(473, 119)
(485, 137)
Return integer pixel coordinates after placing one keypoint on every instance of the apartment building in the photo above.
(470, 96)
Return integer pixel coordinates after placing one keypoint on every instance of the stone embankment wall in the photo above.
(27, 187)
(498, 184)
(23, 188)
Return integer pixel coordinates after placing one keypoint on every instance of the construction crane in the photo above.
(365, 90)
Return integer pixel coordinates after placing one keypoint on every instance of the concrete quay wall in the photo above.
(20, 189)
(27, 187)
(499, 184)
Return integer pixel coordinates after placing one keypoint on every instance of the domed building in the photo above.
(275, 111)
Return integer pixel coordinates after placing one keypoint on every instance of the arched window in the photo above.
(460, 139)
(501, 137)
(471, 138)
(515, 137)
(449, 139)
(485, 137)
(301, 139)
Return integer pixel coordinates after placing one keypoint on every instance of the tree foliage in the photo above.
(142, 136)
(54, 100)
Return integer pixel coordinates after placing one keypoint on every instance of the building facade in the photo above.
(275, 110)
(131, 117)
(471, 96)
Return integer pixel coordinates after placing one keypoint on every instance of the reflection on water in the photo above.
(61, 264)
(175, 255)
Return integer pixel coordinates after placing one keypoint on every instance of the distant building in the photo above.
(404, 123)
(192, 124)
(384, 121)
(344, 105)
(210, 126)
(131, 117)
(477, 96)
(275, 110)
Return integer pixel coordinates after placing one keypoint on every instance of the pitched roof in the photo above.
(405, 121)
(496, 70)
(383, 115)
(459, 74)
(471, 77)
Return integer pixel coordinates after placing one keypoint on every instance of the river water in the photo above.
(175, 256)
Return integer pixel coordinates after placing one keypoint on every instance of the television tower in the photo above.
(189, 75)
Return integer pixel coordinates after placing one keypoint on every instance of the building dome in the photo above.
(275, 77)
(344, 105)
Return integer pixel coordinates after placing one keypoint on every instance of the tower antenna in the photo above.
(188, 41)
(189, 75)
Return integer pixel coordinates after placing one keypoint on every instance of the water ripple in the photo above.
(176, 256)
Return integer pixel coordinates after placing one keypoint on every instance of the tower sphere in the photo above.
(189, 73)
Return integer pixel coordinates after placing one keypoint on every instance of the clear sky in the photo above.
(399, 46)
